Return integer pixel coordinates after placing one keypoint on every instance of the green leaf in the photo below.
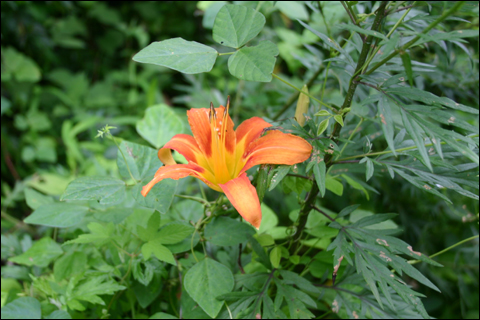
(385, 114)
(147, 234)
(35, 199)
(275, 257)
(319, 171)
(269, 219)
(162, 315)
(354, 184)
(159, 125)
(115, 215)
(178, 54)
(339, 119)
(323, 126)
(407, 64)
(333, 185)
(106, 190)
(22, 308)
(415, 132)
(370, 168)
(347, 210)
(57, 215)
(92, 288)
(174, 232)
(254, 63)
(59, 314)
(293, 278)
(225, 231)
(40, 254)
(100, 234)
(69, 265)
(352, 27)
(373, 219)
(207, 280)
(235, 25)
(323, 113)
(140, 159)
(160, 251)
(160, 196)
(281, 172)
(6, 105)
(19, 66)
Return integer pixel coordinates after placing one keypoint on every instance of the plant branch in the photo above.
(445, 15)
(322, 212)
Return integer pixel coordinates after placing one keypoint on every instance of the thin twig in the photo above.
(323, 212)
(240, 258)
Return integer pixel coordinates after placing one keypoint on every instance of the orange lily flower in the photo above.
(219, 156)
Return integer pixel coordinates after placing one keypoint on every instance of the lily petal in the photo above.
(244, 198)
(277, 148)
(187, 146)
(176, 172)
(165, 155)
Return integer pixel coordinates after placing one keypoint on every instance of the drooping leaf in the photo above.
(178, 54)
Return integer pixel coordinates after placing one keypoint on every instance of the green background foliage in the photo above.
(381, 221)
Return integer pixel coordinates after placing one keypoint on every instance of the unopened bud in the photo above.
(302, 106)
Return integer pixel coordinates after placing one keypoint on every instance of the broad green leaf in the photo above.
(225, 231)
(69, 265)
(40, 254)
(319, 171)
(92, 288)
(254, 63)
(292, 9)
(59, 314)
(22, 308)
(57, 215)
(207, 280)
(407, 64)
(265, 240)
(160, 251)
(275, 257)
(352, 27)
(178, 54)
(386, 118)
(415, 132)
(281, 172)
(148, 233)
(99, 234)
(35, 199)
(159, 125)
(106, 190)
(174, 232)
(333, 185)
(160, 196)
(235, 25)
(269, 219)
(323, 126)
(114, 214)
(19, 66)
(140, 159)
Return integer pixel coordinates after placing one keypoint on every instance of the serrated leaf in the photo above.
(407, 64)
(254, 63)
(323, 126)
(414, 131)
(293, 278)
(106, 190)
(140, 159)
(40, 254)
(178, 54)
(347, 210)
(160, 251)
(68, 265)
(57, 215)
(207, 280)
(354, 184)
(371, 220)
(385, 114)
(352, 27)
(22, 308)
(235, 25)
(174, 232)
(100, 234)
(91, 289)
(319, 171)
(159, 125)
(225, 231)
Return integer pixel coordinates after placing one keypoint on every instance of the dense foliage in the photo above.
(380, 221)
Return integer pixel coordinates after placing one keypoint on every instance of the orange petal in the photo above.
(277, 148)
(244, 198)
(176, 172)
(165, 155)
(187, 146)
(200, 125)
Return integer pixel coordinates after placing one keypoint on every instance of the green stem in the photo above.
(16, 222)
(305, 93)
(124, 158)
(445, 250)
(202, 201)
(445, 15)
(388, 36)
(226, 53)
